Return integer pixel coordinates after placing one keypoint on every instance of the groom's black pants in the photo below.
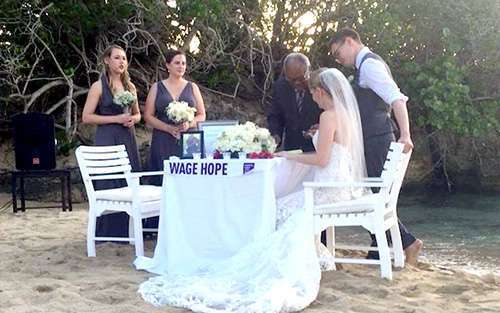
(376, 149)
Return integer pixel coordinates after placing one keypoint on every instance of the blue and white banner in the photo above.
(208, 167)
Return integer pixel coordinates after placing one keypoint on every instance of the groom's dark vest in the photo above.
(374, 112)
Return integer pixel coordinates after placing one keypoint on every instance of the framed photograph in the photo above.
(192, 144)
(211, 130)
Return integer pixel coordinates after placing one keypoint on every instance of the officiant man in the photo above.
(377, 96)
(293, 111)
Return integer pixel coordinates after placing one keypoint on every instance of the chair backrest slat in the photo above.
(101, 149)
(101, 160)
(391, 160)
(106, 163)
(391, 169)
(399, 175)
(109, 169)
(394, 170)
(105, 155)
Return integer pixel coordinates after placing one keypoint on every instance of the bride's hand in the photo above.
(281, 154)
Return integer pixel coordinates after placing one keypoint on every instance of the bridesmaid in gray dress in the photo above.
(114, 127)
(164, 142)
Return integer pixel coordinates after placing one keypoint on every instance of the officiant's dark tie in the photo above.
(299, 97)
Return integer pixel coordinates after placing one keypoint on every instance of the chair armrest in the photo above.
(341, 184)
(372, 179)
(141, 174)
(105, 177)
(134, 175)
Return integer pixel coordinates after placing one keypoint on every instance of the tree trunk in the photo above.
(440, 179)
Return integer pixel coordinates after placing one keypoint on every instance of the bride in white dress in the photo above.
(281, 273)
(339, 152)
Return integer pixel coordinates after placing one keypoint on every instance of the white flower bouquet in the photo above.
(180, 112)
(246, 138)
(124, 99)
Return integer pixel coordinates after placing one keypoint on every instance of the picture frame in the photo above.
(192, 143)
(211, 130)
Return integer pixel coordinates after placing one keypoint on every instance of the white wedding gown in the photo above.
(279, 274)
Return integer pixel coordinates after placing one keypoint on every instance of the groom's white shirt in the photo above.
(374, 75)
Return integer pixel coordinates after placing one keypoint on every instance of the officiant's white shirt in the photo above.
(374, 75)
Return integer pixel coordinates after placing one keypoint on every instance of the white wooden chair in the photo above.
(375, 212)
(138, 201)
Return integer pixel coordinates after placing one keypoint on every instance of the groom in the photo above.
(377, 96)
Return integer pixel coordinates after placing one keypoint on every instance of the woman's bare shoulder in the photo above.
(96, 87)
(327, 114)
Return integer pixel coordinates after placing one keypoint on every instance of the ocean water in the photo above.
(459, 230)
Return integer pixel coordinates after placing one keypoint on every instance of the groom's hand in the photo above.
(406, 140)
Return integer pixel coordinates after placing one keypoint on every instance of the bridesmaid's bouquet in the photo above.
(247, 138)
(180, 112)
(124, 99)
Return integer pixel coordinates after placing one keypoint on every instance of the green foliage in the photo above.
(442, 58)
(221, 77)
(443, 53)
(65, 144)
(92, 16)
(210, 9)
(441, 99)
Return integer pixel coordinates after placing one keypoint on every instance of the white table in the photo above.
(212, 208)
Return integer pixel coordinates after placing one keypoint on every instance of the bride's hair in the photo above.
(348, 122)
(314, 80)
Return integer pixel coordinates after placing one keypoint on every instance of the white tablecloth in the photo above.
(211, 209)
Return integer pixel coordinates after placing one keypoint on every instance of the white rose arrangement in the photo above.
(247, 138)
(124, 98)
(180, 112)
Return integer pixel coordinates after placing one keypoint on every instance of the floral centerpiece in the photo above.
(180, 112)
(125, 99)
(248, 138)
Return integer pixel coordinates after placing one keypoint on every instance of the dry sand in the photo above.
(44, 268)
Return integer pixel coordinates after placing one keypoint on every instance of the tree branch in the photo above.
(39, 92)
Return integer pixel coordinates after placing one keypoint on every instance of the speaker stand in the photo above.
(65, 180)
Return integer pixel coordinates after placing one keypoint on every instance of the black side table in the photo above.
(64, 175)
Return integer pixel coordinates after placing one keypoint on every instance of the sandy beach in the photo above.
(44, 268)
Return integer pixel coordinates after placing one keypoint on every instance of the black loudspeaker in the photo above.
(34, 141)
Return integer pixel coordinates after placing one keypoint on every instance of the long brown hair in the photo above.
(124, 77)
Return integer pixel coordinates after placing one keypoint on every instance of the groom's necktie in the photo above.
(299, 97)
